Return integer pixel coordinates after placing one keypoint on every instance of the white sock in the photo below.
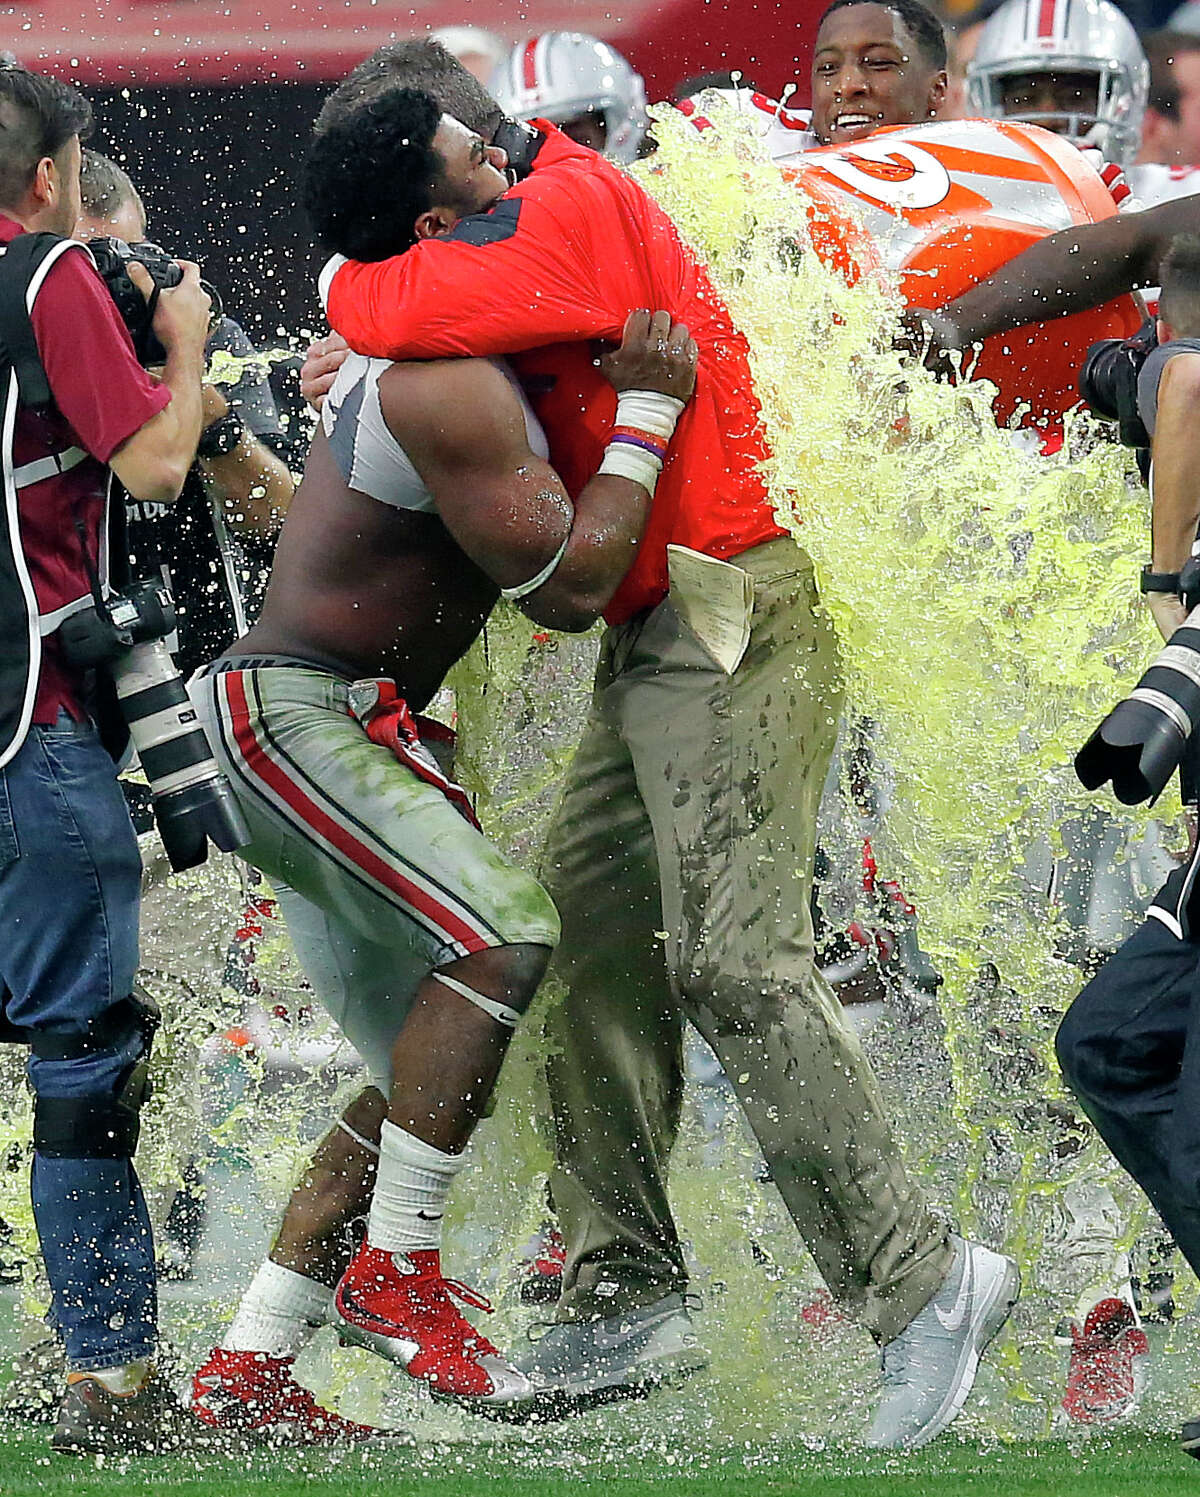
(280, 1313)
(411, 1187)
(863, 1017)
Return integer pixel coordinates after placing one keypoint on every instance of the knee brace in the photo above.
(98, 1125)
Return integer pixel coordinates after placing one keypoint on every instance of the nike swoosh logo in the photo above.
(431, 1216)
(359, 1315)
(953, 1321)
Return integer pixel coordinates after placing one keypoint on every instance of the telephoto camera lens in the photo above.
(1140, 743)
(193, 802)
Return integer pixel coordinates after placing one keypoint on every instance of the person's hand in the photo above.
(182, 315)
(321, 364)
(654, 354)
(1169, 612)
(930, 337)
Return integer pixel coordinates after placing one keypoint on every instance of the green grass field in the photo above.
(1134, 1463)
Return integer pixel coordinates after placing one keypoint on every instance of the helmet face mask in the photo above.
(1065, 40)
(561, 75)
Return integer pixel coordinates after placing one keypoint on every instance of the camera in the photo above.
(112, 257)
(1109, 378)
(1143, 740)
(193, 802)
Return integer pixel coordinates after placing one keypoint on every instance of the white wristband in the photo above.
(628, 462)
(644, 426)
(649, 411)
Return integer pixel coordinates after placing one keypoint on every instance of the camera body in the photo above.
(126, 635)
(142, 612)
(1109, 378)
(113, 257)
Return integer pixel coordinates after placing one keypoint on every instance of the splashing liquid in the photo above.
(984, 597)
(985, 602)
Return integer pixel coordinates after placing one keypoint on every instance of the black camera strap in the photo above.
(21, 262)
(23, 267)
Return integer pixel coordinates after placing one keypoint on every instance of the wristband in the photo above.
(1159, 582)
(641, 434)
(220, 439)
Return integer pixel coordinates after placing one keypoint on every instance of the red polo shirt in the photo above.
(564, 257)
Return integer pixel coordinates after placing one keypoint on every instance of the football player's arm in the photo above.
(1071, 271)
(463, 428)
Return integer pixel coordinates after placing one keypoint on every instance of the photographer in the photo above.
(78, 404)
(215, 542)
(214, 546)
(1124, 1044)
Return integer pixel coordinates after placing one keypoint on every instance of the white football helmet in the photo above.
(561, 74)
(1066, 36)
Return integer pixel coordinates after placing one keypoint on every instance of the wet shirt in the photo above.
(101, 397)
(561, 260)
(367, 454)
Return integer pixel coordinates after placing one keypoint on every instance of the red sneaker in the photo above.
(399, 1305)
(251, 1393)
(1107, 1371)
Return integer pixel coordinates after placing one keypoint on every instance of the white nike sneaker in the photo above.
(579, 1364)
(929, 1369)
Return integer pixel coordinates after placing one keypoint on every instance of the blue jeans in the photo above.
(1129, 1048)
(69, 891)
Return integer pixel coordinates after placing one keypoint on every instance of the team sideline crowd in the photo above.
(533, 395)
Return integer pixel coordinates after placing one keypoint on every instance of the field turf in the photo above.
(1133, 1463)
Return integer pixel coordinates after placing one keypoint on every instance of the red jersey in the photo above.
(562, 258)
(102, 396)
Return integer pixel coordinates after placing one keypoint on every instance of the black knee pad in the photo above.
(1064, 1048)
(100, 1125)
(94, 1126)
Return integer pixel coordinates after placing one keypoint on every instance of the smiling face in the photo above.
(868, 71)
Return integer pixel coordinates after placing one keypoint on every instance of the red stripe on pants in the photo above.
(259, 763)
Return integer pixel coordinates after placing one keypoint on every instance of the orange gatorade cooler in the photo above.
(946, 204)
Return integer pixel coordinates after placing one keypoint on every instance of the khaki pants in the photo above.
(690, 810)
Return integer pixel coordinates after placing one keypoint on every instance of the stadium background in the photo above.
(204, 102)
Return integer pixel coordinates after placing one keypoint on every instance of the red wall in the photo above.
(770, 43)
(184, 43)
